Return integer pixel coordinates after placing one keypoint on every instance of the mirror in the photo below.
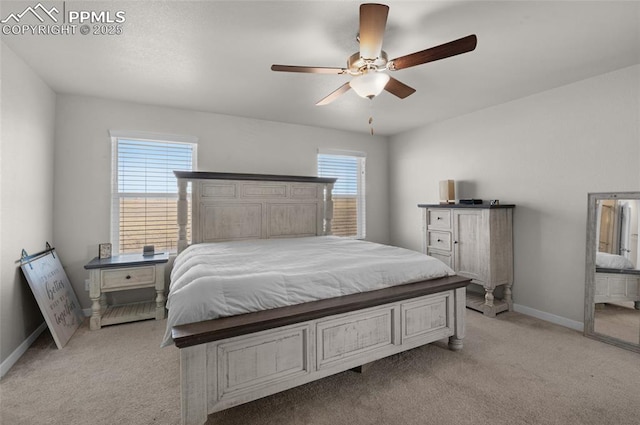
(612, 291)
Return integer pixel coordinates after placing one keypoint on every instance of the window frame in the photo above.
(116, 195)
(361, 216)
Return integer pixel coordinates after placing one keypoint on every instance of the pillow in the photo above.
(612, 261)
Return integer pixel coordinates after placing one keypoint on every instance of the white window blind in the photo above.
(145, 192)
(349, 218)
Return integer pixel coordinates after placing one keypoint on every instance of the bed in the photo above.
(617, 280)
(253, 347)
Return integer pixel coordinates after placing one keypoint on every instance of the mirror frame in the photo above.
(590, 271)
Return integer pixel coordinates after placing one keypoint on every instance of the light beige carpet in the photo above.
(512, 370)
(619, 320)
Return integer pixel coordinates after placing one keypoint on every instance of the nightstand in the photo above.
(123, 273)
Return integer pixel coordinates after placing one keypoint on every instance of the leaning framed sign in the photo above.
(54, 293)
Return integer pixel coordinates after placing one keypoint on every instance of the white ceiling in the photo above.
(215, 56)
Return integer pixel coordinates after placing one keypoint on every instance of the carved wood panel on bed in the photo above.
(232, 360)
(229, 207)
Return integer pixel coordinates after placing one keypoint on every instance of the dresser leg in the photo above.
(489, 308)
(488, 297)
(94, 322)
(508, 297)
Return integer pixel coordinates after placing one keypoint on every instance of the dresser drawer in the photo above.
(445, 257)
(439, 240)
(439, 218)
(128, 277)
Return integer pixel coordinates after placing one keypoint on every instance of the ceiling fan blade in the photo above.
(399, 89)
(334, 95)
(373, 19)
(308, 69)
(452, 48)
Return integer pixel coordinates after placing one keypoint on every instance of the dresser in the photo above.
(124, 273)
(476, 241)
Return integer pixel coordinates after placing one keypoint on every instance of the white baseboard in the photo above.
(22, 348)
(543, 315)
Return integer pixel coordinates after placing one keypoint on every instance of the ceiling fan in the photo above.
(369, 66)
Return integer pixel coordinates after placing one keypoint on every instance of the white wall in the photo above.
(26, 193)
(543, 153)
(226, 144)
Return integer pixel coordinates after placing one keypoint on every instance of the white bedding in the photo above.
(612, 261)
(224, 279)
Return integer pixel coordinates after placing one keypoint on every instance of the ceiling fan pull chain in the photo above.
(371, 116)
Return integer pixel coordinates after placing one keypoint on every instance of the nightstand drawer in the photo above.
(439, 218)
(128, 277)
(439, 240)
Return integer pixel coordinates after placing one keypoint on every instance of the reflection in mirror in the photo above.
(612, 307)
(618, 230)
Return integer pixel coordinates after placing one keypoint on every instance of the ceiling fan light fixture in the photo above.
(369, 66)
(369, 84)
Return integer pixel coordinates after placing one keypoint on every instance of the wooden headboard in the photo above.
(230, 206)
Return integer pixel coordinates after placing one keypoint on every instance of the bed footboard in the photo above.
(219, 374)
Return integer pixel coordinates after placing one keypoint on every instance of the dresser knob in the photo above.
(128, 277)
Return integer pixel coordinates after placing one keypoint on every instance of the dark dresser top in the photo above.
(483, 205)
(127, 260)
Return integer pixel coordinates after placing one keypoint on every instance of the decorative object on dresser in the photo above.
(447, 192)
(475, 240)
(471, 201)
(122, 273)
(104, 250)
(299, 343)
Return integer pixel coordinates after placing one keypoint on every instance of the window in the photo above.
(348, 191)
(145, 190)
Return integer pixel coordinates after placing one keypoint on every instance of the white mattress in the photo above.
(224, 279)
